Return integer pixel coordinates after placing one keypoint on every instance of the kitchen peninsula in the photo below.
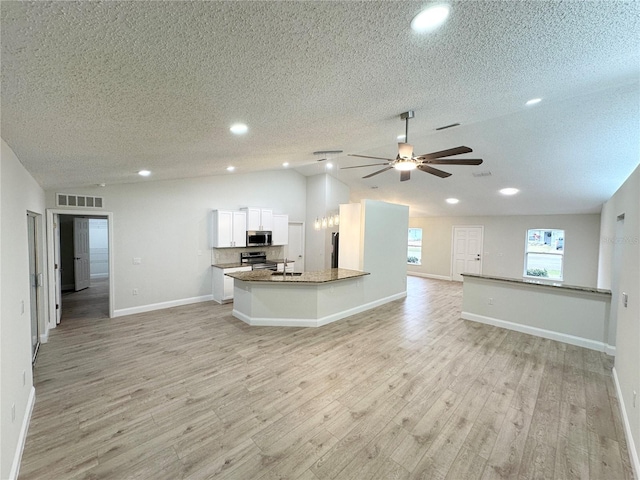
(309, 299)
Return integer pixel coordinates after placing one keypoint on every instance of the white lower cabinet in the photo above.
(290, 266)
(223, 285)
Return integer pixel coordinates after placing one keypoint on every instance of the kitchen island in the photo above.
(309, 299)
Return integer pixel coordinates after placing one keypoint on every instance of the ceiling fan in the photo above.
(407, 161)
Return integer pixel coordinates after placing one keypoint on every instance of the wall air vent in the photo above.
(486, 173)
(73, 200)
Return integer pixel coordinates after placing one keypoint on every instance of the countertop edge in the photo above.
(574, 288)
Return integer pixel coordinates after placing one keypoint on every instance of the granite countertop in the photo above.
(229, 265)
(323, 276)
(541, 283)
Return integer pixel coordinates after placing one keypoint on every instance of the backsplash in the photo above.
(232, 255)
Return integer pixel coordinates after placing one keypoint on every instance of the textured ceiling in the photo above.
(92, 92)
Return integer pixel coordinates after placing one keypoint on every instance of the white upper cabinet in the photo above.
(280, 230)
(259, 218)
(228, 229)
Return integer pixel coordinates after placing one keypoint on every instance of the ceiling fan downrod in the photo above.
(406, 116)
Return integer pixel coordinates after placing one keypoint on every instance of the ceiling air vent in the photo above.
(83, 201)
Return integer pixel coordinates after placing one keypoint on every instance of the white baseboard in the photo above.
(162, 305)
(22, 438)
(538, 332)
(610, 350)
(44, 337)
(631, 446)
(313, 322)
(429, 275)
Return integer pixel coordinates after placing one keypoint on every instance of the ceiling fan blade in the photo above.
(445, 153)
(453, 161)
(433, 171)
(405, 175)
(360, 166)
(366, 156)
(405, 150)
(376, 173)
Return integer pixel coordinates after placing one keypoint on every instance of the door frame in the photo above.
(53, 243)
(453, 247)
(38, 252)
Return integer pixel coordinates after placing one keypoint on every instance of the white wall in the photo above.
(373, 239)
(19, 193)
(504, 243)
(324, 196)
(625, 201)
(167, 225)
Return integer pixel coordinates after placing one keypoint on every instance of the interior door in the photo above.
(295, 249)
(81, 265)
(467, 251)
(34, 284)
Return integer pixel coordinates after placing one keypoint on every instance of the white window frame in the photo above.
(419, 259)
(554, 252)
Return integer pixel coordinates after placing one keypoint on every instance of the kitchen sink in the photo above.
(289, 274)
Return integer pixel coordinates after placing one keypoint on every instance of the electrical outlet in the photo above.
(135, 291)
(490, 301)
(625, 299)
(13, 412)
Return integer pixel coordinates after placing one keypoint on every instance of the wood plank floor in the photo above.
(407, 390)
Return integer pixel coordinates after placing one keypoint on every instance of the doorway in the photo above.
(81, 262)
(467, 251)
(295, 249)
(35, 280)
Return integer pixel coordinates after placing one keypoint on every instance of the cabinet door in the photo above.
(266, 219)
(280, 230)
(221, 229)
(228, 282)
(253, 218)
(239, 229)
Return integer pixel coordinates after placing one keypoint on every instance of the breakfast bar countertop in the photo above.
(322, 276)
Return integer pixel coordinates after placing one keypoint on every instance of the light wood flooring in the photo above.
(407, 390)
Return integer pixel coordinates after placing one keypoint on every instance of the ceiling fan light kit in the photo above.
(406, 161)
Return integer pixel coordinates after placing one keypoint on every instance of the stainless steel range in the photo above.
(257, 260)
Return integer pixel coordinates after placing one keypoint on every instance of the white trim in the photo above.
(631, 446)
(44, 337)
(610, 350)
(428, 275)
(51, 257)
(538, 332)
(311, 322)
(22, 438)
(162, 305)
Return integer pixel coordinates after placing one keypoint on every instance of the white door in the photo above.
(467, 251)
(294, 251)
(82, 272)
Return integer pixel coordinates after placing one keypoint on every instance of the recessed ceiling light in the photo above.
(533, 101)
(239, 128)
(144, 173)
(230, 168)
(329, 165)
(285, 164)
(430, 18)
(452, 201)
(509, 191)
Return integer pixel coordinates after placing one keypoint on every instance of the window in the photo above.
(544, 254)
(414, 250)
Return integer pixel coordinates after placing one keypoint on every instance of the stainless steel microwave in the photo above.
(258, 238)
